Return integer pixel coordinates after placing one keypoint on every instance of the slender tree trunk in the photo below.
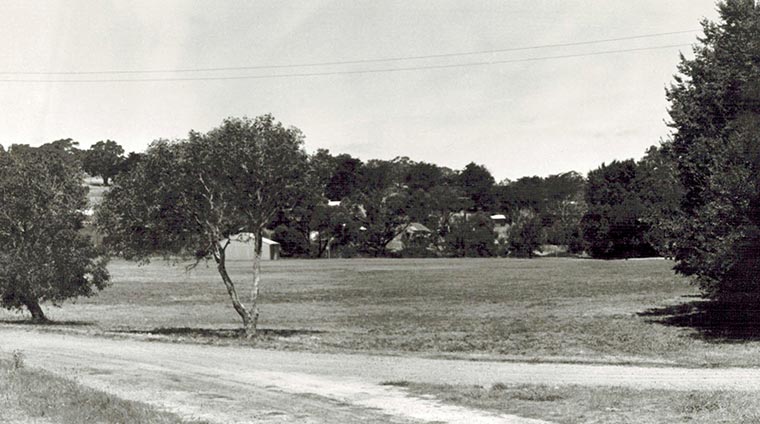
(321, 247)
(256, 281)
(245, 315)
(33, 306)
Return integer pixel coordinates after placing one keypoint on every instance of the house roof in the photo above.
(246, 237)
(417, 227)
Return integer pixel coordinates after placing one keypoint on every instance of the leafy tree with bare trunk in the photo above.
(44, 257)
(187, 198)
(104, 159)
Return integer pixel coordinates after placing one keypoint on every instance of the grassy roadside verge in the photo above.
(34, 396)
(602, 405)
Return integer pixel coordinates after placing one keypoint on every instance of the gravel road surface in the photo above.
(228, 384)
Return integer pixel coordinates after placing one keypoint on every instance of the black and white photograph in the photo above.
(403, 212)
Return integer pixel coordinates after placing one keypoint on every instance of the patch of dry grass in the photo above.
(33, 396)
(575, 404)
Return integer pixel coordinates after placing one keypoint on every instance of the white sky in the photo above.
(518, 119)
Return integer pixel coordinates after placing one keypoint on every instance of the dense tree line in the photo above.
(348, 207)
(354, 207)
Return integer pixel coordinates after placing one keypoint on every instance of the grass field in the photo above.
(549, 308)
(575, 404)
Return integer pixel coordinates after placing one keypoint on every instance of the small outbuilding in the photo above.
(242, 246)
(414, 232)
(500, 226)
(499, 220)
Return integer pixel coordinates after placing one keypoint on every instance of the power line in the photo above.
(350, 62)
(348, 72)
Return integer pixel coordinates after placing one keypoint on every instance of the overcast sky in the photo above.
(520, 118)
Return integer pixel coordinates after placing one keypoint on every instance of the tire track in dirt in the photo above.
(234, 385)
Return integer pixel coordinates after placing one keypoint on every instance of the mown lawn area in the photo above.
(566, 309)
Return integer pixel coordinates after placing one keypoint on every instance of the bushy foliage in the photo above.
(44, 257)
(477, 183)
(103, 159)
(292, 243)
(66, 149)
(557, 200)
(661, 193)
(420, 245)
(525, 236)
(379, 207)
(471, 235)
(344, 178)
(715, 113)
(613, 226)
(540, 195)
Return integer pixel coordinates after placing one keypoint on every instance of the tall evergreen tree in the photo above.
(715, 113)
(478, 184)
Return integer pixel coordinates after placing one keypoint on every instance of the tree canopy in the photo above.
(613, 226)
(471, 236)
(477, 183)
(188, 197)
(103, 159)
(44, 258)
(715, 115)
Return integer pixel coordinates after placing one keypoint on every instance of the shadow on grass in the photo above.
(718, 322)
(221, 333)
(47, 323)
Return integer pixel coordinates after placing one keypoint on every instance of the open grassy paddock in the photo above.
(566, 309)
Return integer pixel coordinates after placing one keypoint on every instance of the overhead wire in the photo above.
(341, 72)
(352, 61)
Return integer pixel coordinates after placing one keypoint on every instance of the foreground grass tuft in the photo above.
(396, 383)
(28, 395)
(575, 404)
(17, 359)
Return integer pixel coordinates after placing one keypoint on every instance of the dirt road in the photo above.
(241, 385)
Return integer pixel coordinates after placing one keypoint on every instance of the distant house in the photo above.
(241, 248)
(413, 232)
(499, 220)
(500, 226)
